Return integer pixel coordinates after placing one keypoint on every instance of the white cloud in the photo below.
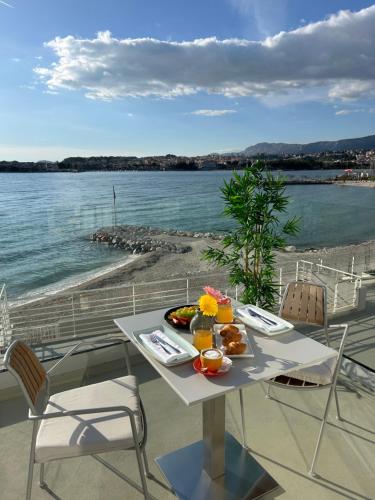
(6, 4)
(213, 112)
(344, 112)
(335, 56)
(16, 59)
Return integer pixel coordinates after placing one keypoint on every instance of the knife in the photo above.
(162, 341)
(263, 318)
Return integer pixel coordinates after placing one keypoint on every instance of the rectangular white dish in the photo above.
(245, 339)
(191, 351)
(262, 321)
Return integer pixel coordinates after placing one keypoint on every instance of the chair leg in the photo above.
(141, 471)
(139, 456)
(145, 460)
(42, 483)
(31, 461)
(338, 416)
(244, 440)
(324, 421)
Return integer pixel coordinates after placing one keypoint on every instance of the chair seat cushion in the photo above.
(321, 373)
(73, 436)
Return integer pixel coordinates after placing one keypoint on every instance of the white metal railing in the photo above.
(89, 313)
(342, 287)
(5, 329)
(86, 313)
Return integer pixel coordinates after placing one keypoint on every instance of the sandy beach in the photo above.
(162, 265)
(366, 184)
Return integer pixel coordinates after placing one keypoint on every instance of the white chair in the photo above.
(306, 303)
(86, 420)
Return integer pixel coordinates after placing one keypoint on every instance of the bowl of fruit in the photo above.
(180, 317)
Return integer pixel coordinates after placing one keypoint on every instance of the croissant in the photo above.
(235, 348)
(232, 337)
(228, 329)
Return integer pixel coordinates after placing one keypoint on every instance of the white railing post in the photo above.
(187, 291)
(236, 292)
(353, 264)
(335, 297)
(133, 288)
(5, 329)
(280, 283)
(73, 317)
(355, 294)
(297, 270)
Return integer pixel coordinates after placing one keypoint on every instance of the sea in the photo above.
(46, 218)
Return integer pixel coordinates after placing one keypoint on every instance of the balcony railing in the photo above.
(5, 328)
(89, 313)
(342, 286)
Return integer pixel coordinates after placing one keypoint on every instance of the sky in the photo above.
(151, 77)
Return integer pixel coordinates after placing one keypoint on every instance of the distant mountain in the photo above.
(280, 148)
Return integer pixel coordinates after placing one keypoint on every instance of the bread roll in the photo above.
(232, 337)
(235, 348)
(228, 329)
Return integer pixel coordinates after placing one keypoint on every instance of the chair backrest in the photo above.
(29, 372)
(304, 302)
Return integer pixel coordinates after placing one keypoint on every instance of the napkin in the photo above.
(259, 324)
(159, 352)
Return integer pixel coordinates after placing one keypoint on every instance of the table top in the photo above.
(274, 356)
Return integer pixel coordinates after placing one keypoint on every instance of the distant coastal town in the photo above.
(351, 159)
(351, 154)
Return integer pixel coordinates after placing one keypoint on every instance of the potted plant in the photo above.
(254, 200)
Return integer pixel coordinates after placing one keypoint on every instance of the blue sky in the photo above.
(184, 77)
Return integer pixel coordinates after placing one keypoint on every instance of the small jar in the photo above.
(225, 312)
(202, 328)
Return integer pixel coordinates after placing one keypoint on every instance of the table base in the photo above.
(243, 478)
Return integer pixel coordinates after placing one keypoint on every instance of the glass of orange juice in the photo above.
(203, 339)
(225, 311)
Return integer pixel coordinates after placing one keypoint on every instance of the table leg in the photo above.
(216, 468)
(214, 437)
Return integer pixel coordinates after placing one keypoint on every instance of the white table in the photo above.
(218, 467)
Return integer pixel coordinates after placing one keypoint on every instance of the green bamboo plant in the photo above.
(254, 200)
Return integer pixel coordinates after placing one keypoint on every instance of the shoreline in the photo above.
(366, 184)
(160, 265)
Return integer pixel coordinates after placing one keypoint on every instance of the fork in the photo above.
(155, 340)
(262, 318)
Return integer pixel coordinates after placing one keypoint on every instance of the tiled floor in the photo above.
(281, 436)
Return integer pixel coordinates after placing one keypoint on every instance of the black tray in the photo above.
(170, 322)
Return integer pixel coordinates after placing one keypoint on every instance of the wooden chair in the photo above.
(87, 420)
(306, 303)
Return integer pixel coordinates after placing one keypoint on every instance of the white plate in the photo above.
(191, 351)
(245, 339)
(281, 326)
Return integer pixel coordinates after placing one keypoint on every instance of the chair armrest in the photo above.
(80, 411)
(86, 343)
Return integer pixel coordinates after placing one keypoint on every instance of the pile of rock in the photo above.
(138, 242)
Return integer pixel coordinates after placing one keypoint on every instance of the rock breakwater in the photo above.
(144, 239)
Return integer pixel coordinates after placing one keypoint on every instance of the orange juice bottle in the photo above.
(225, 311)
(202, 339)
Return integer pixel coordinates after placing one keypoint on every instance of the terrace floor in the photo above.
(281, 433)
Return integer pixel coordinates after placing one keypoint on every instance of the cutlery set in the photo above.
(163, 343)
(265, 320)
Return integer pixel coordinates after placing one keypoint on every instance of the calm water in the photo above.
(45, 218)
